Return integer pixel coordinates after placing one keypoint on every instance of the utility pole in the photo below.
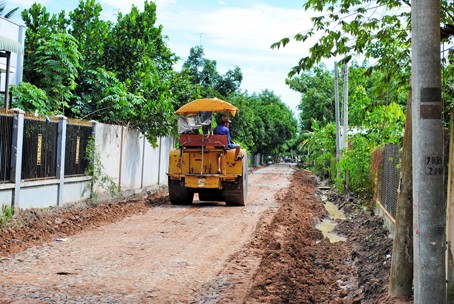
(337, 118)
(429, 214)
(345, 99)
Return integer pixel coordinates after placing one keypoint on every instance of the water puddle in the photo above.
(326, 227)
(328, 224)
(334, 212)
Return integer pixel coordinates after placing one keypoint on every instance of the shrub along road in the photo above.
(148, 251)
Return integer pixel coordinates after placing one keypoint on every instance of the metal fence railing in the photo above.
(390, 178)
(39, 157)
(6, 130)
(77, 139)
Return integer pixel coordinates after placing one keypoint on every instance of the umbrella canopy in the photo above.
(207, 105)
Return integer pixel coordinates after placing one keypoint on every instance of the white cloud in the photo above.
(125, 6)
(242, 36)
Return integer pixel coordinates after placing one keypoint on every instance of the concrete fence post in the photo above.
(93, 135)
(16, 155)
(61, 148)
(159, 160)
(144, 142)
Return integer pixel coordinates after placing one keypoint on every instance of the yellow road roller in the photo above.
(204, 162)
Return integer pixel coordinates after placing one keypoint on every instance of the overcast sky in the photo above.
(233, 33)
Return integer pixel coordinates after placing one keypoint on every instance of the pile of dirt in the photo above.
(33, 227)
(300, 266)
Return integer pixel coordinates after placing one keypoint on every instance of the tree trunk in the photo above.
(450, 217)
(401, 277)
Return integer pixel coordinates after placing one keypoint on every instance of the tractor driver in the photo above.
(223, 129)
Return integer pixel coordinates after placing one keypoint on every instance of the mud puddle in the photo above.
(328, 224)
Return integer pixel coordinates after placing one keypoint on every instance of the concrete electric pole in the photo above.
(337, 114)
(429, 202)
(345, 104)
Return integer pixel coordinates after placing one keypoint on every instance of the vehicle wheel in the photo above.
(178, 194)
(235, 193)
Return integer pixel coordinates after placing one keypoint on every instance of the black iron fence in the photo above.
(77, 139)
(39, 147)
(6, 131)
(39, 155)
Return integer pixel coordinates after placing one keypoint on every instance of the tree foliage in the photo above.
(28, 96)
(113, 72)
(317, 96)
(57, 62)
(203, 72)
(265, 123)
(375, 115)
(376, 30)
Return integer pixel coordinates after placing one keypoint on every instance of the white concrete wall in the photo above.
(76, 189)
(131, 159)
(38, 195)
(151, 165)
(108, 143)
(6, 195)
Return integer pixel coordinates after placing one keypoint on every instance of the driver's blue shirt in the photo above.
(222, 130)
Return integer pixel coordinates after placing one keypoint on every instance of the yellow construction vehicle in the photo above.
(193, 166)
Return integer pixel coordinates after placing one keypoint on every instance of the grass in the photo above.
(6, 215)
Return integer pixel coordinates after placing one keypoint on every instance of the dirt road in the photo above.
(148, 251)
(165, 255)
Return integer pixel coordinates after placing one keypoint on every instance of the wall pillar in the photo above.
(16, 155)
(159, 160)
(61, 148)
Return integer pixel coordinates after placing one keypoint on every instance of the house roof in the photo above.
(10, 45)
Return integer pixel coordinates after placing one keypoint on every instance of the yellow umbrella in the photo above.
(207, 105)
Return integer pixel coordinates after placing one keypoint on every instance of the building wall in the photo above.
(16, 32)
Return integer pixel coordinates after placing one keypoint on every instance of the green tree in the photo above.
(230, 82)
(317, 96)
(137, 53)
(270, 123)
(57, 63)
(29, 98)
(136, 47)
(280, 125)
(95, 85)
(248, 127)
(91, 33)
(40, 25)
(376, 117)
(320, 145)
(379, 30)
(203, 71)
(116, 72)
(183, 90)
